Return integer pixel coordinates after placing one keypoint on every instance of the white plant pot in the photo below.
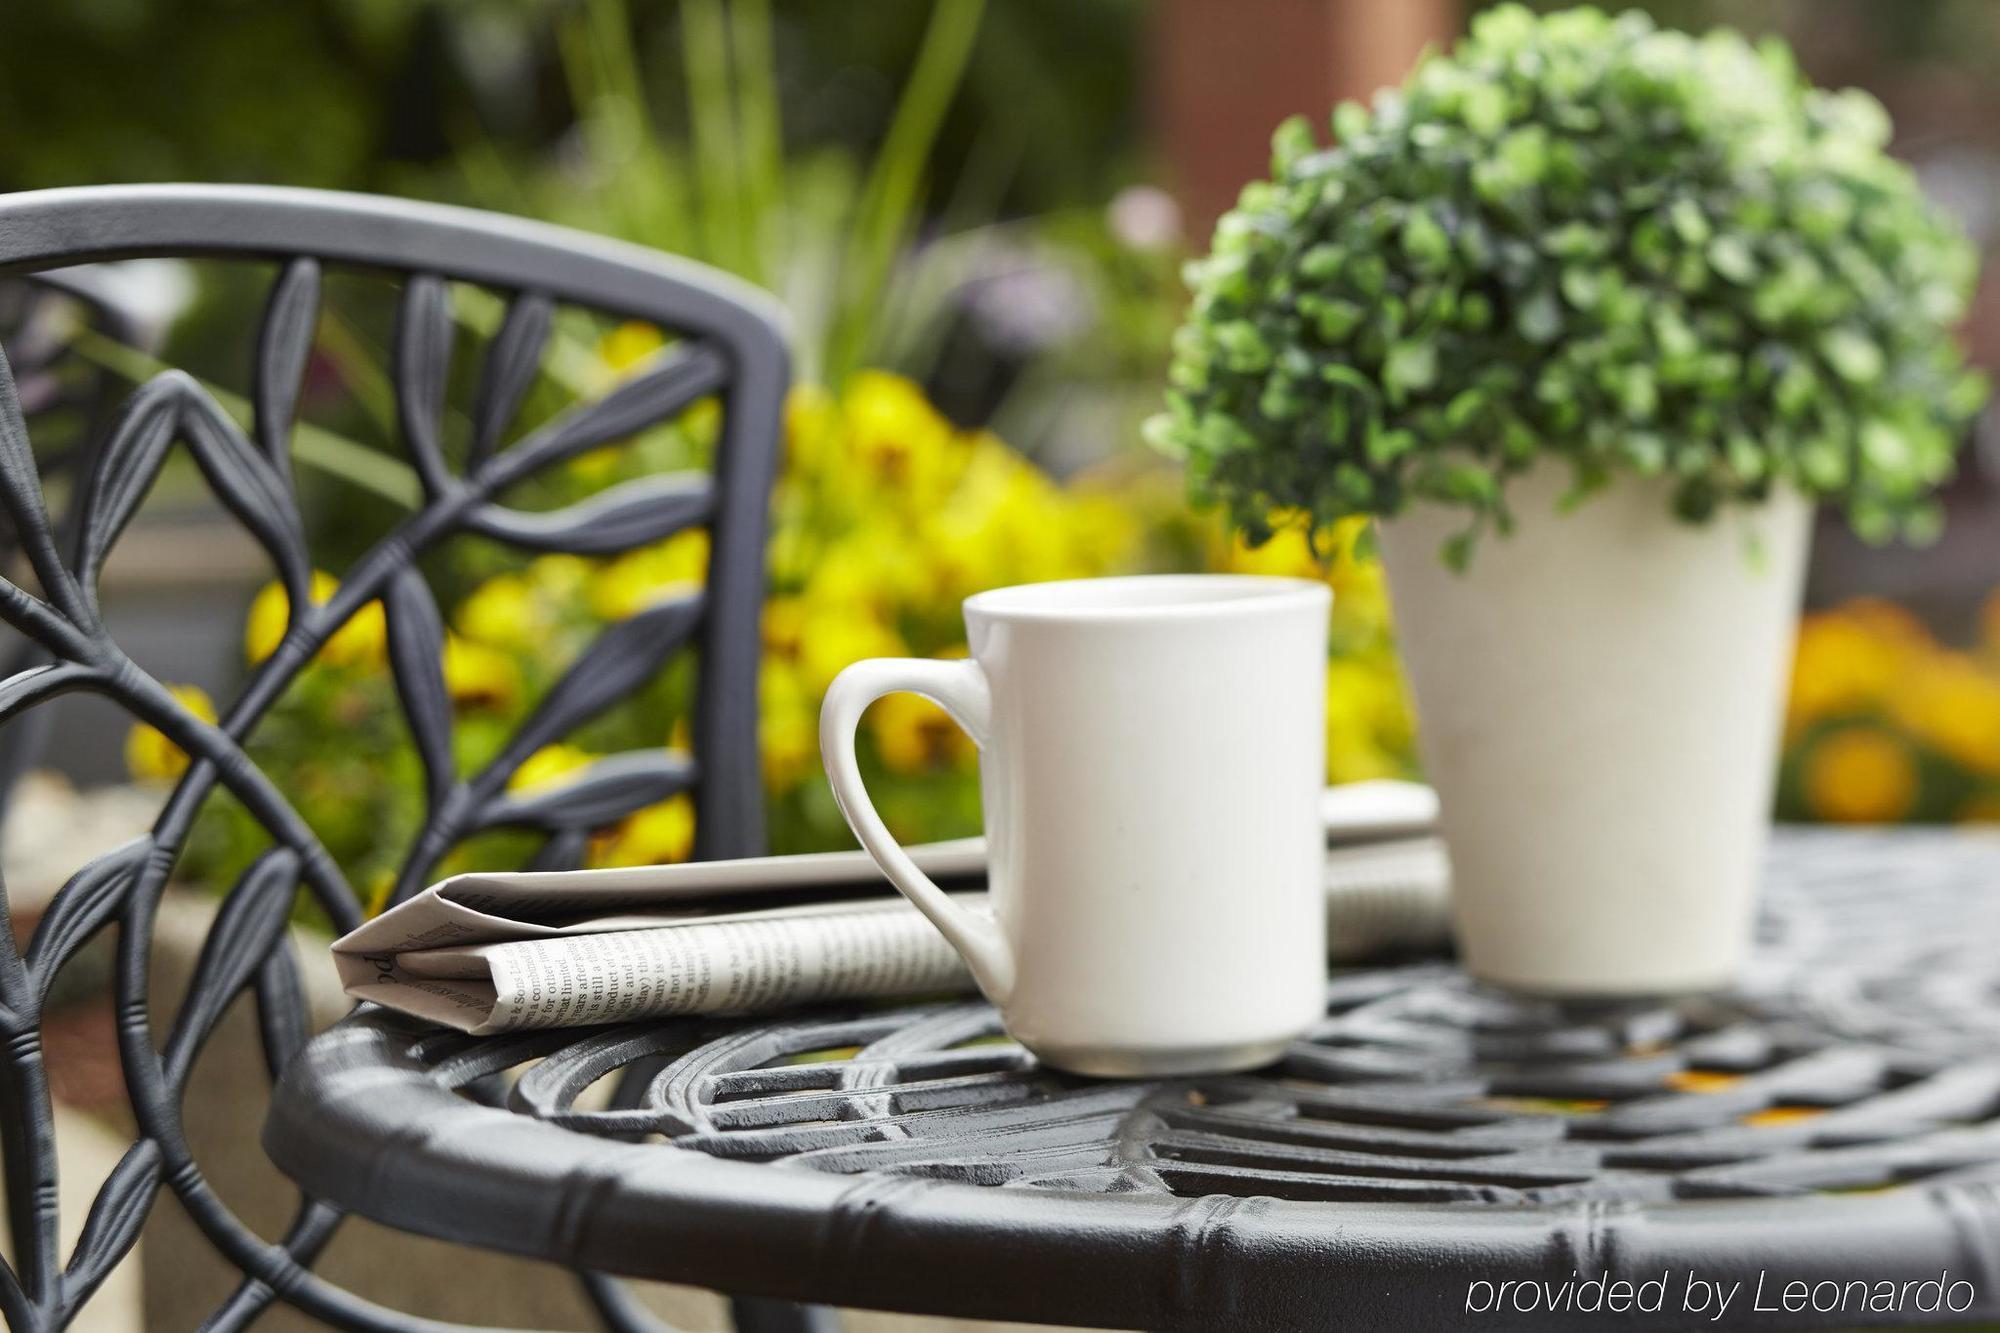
(1598, 706)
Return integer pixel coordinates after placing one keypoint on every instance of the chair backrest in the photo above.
(726, 347)
(37, 318)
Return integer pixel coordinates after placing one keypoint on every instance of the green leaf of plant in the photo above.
(1386, 446)
(1425, 241)
(1290, 143)
(1730, 256)
(1485, 109)
(1853, 356)
(1689, 222)
(1334, 320)
(1411, 367)
(1539, 319)
(1322, 262)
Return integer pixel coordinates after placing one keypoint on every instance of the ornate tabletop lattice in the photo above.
(1419, 1086)
(1859, 1062)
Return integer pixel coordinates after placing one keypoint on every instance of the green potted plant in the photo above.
(1587, 316)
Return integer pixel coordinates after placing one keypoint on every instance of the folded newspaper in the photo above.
(488, 953)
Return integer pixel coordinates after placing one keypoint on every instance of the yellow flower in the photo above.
(501, 611)
(629, 344)
(914, 735)
(149, 755)
(1287, 555)
(1368, 727)
(477, 674)
(652, 836)
(1860, 775)
(875, 566)
(898, 439)
(1360, 593)
(784, 627)
(1360, 596)
(787, 727)
(361, 641)
(264, 626)
(560, 577)
(796, 541)
(836, 636)
(1005, 523)
(549, 766)
(1104, 533)
(635, 581)
(812, 421)
(1845, 660)
(1948, 702)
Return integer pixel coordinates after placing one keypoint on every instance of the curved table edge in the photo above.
(357, 1121)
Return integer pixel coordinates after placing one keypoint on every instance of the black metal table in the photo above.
(1836, 1121)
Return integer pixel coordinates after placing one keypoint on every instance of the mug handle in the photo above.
(960, 688)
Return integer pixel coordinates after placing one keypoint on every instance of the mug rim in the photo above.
(1206, 595)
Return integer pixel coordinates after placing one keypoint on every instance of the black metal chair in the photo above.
(728, 347)
(66, 398)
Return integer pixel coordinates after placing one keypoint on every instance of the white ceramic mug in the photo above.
(1151, 761)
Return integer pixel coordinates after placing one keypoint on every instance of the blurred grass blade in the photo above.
(360, 369)
(705, 64)
(890, 197)
(760, 136)
(641, 199)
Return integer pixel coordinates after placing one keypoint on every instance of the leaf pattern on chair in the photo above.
(87, 902)
(618, 518)
(416, 656)
(423, 365)
(624, 657)
(603, 792)
(249, 927)
(249, 471)
(116, 1217)
(511, 366)
(283, 346)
